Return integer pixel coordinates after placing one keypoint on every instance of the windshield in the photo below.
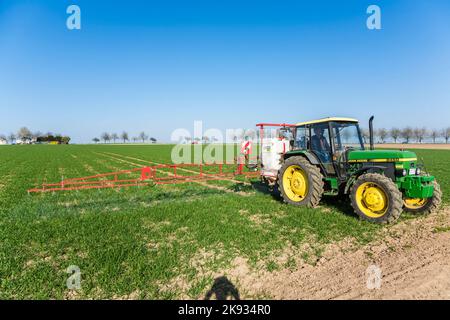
(347, 135)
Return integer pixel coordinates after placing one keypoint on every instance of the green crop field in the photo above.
(159, 242)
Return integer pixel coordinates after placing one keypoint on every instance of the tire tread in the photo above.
(316, 190)
(395, 198)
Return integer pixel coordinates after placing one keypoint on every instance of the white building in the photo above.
(3, 141)
(26, 141)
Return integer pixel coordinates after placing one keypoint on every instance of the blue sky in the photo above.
(160, 65)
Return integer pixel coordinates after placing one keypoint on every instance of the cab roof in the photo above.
(328, 120)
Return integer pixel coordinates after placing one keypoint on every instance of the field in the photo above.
(160, 242)
(426, 146)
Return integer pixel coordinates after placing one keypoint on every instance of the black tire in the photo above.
(392, 193)
(431, 205)
(315, 182)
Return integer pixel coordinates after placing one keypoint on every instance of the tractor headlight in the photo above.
(418, 171)
(404, 172)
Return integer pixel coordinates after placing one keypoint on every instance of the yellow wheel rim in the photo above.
(295, 183)
(372, 200)
(416, 203)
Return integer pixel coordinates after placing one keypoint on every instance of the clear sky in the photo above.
(160, 65)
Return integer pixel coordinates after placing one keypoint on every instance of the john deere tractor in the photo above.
(328, 156)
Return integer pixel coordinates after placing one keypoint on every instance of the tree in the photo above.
(114, 137)
(205, 139)
(124, 137)
(419, 134)
(407, 133)
(135, 139)
(65, 140)
(187, 139)
(365, 135)
(3, 137)
(346, 135)
(423, 132)
(96, 140)
(395, 134)
(434, 134)
(153, 140)
(446, 134)
(382, 134)
(106, 137)
(12, 138)
(37, 134)
(58, 137)
(143, 136)
(251, 134)
(24, 133)
(50, 137)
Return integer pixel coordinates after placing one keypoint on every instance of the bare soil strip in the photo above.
(119, 160)
(413, 256)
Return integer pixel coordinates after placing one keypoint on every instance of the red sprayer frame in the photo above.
(149, 175)
(262, 125)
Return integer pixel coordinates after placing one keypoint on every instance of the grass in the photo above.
(158, 242)
(441, 229)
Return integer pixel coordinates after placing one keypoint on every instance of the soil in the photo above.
(413, 257)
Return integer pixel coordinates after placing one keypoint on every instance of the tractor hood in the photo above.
(381, 156)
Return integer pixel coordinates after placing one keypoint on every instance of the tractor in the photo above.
(303, 161)
(328, 157)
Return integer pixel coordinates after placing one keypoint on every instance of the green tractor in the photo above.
(328, 156)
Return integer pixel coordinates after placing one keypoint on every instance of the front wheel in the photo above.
(424, 205)
(376, 198)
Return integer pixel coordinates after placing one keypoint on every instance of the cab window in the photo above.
(347, 136)
(320, 141)
(301, 138)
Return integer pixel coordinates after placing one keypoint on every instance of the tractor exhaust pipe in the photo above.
(371, 132)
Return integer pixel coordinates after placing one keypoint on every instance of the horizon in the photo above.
(158, 67)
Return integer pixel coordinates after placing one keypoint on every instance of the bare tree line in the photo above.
(408, 135)
(243, 134)
(204, 139)
(25, 135)
(123, 137)
(397, 135)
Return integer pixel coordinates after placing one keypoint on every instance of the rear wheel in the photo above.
(300, 183)
(424, 205)
(376, 198)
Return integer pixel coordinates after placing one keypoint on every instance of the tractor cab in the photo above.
(329, 141)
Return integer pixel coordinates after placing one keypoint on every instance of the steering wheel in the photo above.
(324, 156)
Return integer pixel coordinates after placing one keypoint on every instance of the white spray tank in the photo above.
(271, 153)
